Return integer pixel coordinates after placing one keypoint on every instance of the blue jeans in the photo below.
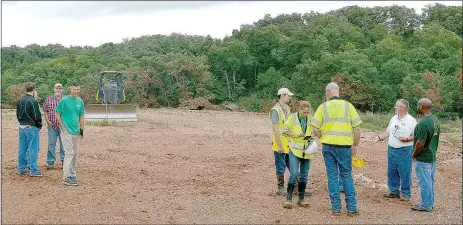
(425, 173)
(339, 160)
(53, 134)
(341, 188)
(281, 162)
(399, 170)
(298, 165)
(28, 150)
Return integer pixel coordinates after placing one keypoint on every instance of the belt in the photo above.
(339, 146)
(25, 126)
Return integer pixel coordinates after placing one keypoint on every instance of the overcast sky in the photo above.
(94, 23)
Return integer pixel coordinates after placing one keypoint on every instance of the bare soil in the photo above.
(198, 166)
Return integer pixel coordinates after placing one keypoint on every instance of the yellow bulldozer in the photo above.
(110, 99)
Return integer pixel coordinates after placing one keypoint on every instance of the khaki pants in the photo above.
(71, 150)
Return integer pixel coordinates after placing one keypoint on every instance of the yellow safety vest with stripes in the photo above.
(281, 121)
(298, 144)
(336, 119)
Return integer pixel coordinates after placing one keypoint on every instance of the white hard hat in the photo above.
(311, 148)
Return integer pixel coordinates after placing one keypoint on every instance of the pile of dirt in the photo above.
(199, 104)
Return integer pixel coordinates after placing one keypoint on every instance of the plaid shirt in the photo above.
(49, 106)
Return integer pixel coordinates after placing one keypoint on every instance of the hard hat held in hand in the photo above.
(358, 163)
(311, 148)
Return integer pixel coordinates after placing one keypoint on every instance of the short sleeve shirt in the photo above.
(71, 109)
(428, 131)
(402, 128)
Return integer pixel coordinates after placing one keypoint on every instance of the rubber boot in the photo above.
(296, 187)
(301, 192)
(289, 197)
(281, 185)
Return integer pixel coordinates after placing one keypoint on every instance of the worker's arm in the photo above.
(277, 138)
(383, 136)
(407, 139)
(81, 124)
(46, 108)
(60, 123)
(421, 136)
(355, 122)
(316, 121)
(59, 120)
(81, 120)
(316, 132)
(418, 148)
(356, 141)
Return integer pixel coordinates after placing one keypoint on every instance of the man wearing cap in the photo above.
(337, 124)
(278, 115)
(53, 127)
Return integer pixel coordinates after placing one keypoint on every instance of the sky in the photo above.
(93, 23)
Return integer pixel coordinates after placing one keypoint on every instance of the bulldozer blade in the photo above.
(117, 112)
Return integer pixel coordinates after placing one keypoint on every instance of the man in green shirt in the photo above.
(70, 116)
(426, 141)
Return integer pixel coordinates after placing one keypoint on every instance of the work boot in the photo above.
(281, 185)
(289, 197)
(301, 193)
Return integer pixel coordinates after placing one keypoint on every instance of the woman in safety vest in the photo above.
(299, 131)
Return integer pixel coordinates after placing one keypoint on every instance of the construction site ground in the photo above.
(207, 167)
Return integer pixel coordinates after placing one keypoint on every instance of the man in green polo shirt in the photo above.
(70, 116)
(426, 141)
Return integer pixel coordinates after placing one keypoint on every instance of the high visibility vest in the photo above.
(281, 121)
(298, 144)
(336, 119)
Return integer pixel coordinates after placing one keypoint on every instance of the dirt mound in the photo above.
(199, 104)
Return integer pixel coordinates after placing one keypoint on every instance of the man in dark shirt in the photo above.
(30, 122)
(426, 141)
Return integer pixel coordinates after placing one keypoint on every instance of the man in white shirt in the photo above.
(400, 149)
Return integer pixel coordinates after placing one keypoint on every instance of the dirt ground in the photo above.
(182, 166)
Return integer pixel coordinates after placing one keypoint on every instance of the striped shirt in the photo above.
(49, 106)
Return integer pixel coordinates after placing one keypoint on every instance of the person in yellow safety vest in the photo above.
(337, 124)
(299, 131)
(278, 115)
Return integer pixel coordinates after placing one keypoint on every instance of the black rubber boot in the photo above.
(296, 186)
(289, 197)
(281, 185)
(301, 192)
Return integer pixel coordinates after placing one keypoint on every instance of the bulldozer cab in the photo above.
(110, 98)
(111, 88)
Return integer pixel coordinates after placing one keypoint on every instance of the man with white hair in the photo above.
(337, 124)
(49, 112)
(399, 159)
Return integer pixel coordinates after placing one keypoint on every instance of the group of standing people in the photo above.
(64, 117)
(335, 126)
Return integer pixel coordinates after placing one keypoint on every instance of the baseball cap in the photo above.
(58, 85)
(283, 91)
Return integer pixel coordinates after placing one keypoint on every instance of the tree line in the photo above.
(376, 55)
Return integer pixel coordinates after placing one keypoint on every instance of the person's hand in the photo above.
(404, 139)
(49, 123)
(281, 150)
(354, 150)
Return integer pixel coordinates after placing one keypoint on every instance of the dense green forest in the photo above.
(377, 55)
